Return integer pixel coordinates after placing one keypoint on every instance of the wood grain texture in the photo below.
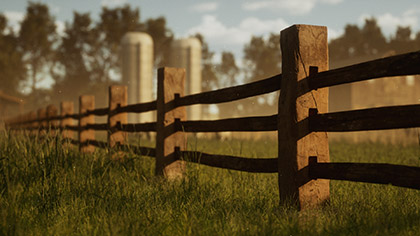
(136, 108)
(257, 123)
(303, 47)
(397, 175)
(139, 127)
(117, 98)
(86, 103)
(264, 86)
(170, 82)
(97, 112)
(392, 117)
(404, 64)
(66, 108)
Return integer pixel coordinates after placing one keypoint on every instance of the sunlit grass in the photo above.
(50, 189)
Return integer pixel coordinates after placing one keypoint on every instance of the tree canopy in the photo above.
(85, 56)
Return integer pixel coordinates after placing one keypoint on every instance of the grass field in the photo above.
(48, 189)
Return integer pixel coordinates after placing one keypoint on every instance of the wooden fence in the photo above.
(302, 122)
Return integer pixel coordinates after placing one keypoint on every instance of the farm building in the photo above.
(401, 90)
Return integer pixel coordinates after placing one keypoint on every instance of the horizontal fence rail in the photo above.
(254, 165)
(260, 87)
(97, 112)
(257, 123)
(393, 117)
(397, 175)
(140, 127)
(404, 64)
(136, 108)
(103, 127)
(298, 96)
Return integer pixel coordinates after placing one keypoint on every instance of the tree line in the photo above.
(85, 57)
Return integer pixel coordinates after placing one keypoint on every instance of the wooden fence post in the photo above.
(304, 47)
(66, 108)
(117, 98)
(52, 124)
(42, 124)
(171, 81)
(86, 103)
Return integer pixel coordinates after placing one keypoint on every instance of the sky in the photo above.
(228, 25)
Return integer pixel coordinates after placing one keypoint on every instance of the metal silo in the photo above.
(137, 71)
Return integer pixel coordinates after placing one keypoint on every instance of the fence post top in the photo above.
(170, 68)
(86, 97)
(302, 26)
(117, 87)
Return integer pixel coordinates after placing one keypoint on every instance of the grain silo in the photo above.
(137, 71)
(186, 53)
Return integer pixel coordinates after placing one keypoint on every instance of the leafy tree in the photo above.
(262, 58)
(113, 24)
(227, 73)
(374, 41)
(348, 45)
(209, 77)
(162, 38)
(76, 56)
(402, 41)
(12, 69)
(37, 36)
(356, 42)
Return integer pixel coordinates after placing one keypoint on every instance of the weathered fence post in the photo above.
(66, 108)
(86, 103)
(304, 47)
(117, 98)
(52, 124)
(42, 123)
(171, 81)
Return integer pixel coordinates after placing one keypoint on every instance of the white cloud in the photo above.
(205, 7)
(60, 27)
(333, 34)
(112, 3)
(216, 32)
(332, 2)
(295, 7)
(389, 22)
(14, 18)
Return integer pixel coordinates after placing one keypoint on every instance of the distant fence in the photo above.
(303, 163)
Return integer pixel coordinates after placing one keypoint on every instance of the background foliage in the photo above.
(85, 57)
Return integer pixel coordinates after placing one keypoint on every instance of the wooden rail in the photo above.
(260, 87)
(393, 117)
(136, 108)
(254, 165)
(404, 64)
(300, 128)
(143, 127)
(397, 175)
(257, 123)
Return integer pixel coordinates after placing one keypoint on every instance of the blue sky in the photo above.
(228, 25)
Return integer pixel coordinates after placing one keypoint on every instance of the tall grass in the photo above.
(47, 188)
